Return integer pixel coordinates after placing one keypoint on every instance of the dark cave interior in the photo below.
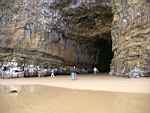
(104, 54)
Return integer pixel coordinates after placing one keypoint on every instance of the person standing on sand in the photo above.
(52, 73)
(95, 70)
(73, 74)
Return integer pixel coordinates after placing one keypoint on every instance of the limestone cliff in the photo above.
(130, 35)
(52, 31)
(68, 32)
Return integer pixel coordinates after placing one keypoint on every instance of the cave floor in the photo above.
(100, 82)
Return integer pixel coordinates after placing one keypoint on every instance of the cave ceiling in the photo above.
(87, 20)
(77, 19)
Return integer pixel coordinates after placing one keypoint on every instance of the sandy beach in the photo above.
(88, 82)
(87, 94)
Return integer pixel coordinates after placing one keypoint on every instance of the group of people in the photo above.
(73, 73)
(13, 70)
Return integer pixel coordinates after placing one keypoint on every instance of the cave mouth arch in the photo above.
(104, 54)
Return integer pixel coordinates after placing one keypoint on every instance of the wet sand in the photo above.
(46, 95)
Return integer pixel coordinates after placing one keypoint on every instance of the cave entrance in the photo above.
(104, 54)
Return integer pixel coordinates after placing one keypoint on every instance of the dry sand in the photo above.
(90, 82)
(88, 94)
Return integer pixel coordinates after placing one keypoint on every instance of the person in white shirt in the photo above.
(95, 70)
(52, 73)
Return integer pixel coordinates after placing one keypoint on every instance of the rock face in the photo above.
(130, 35)
(52, 31)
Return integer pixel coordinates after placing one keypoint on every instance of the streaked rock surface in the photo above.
(53, 31)
(130, 35)
(65, 32)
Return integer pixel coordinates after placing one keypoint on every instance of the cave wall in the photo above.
(34, 29)
(131, 36)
